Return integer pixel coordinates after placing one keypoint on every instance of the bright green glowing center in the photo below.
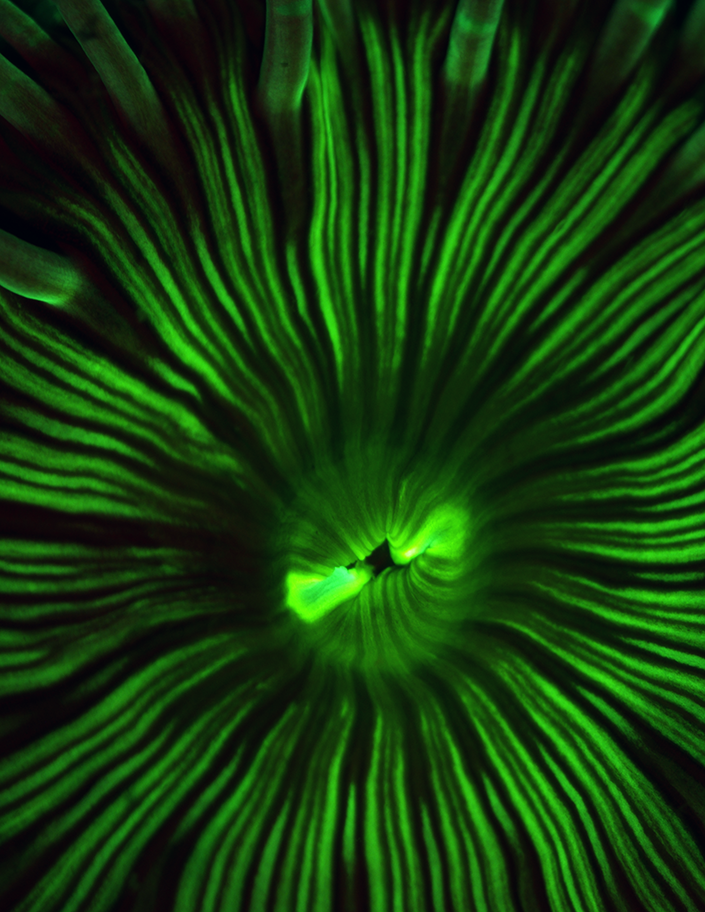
(313, 595)
(378, 562)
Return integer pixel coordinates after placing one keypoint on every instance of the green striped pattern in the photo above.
(199, 395)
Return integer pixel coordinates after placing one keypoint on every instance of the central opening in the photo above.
(380, 559)
(376, 565)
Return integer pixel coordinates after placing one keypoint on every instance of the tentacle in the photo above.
(122, 74)
(37, 273)
(31, 41)
(286, 58)
(472, 37)
(622, 44)
(32, 111)
(283, 77)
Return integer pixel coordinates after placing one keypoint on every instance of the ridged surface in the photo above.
(516, 310)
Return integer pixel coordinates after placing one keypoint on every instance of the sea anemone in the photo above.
(352, 456)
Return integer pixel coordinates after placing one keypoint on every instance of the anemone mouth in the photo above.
(380, 563)
(379, 560)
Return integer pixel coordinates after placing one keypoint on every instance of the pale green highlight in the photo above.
(313, 597)
(36, 273)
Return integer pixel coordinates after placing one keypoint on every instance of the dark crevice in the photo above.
(380, 559)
